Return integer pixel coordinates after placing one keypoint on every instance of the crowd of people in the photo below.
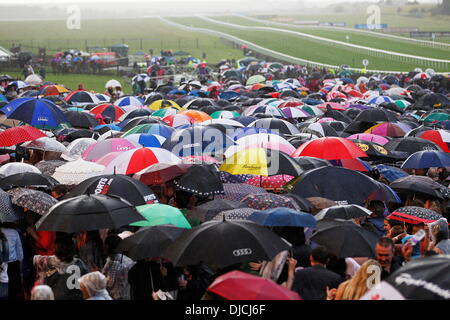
(357, 166)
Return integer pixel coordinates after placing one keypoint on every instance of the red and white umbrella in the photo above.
(135, 160)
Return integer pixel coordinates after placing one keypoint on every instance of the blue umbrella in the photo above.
(283, 217)
(427, 159)
(3, 98)
(36, 112)
(391, 173)
(146, 140)
(229, 95)
(111, 126)
(245, 120)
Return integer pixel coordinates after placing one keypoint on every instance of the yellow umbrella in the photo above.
(161, 104)
(248, 161)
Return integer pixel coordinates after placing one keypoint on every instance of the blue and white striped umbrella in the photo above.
(129, 103)
(146, 140)
(380, 100)
(19, 84)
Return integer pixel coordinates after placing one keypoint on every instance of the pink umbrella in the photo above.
(326, 119)
(369, 137)
(199, 159)
(99, 149)
(107, 158)
(272, 182)
(333, 105)
(285, 147)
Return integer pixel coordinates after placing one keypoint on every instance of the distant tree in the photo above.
(445, 7)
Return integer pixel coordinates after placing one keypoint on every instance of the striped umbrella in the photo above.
(177, 120)
(223, 114)
(293, 113)
(108, 110)
(380, 100)
(165, 112)
(146, 140)
(129, 103)
(151, 128)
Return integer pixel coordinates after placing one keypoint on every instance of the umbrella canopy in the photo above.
(238, 191)
(149, 242)
(265, 201)
(48, 167)
(210, 209)
(17, 135)
(376, 115)
(439, 137)
(202, 180)
(160, 173)
(96, 150)
(146, 140)
(255, 79)
(330, 148)
(374, 150)
(77, 171)
(238, 285)
(427, 159)
(388, 129)
(81, 119)
(234, 214)
(45, 144)
(17, 167)
(88, 212)
(414, 215)
(53, 90)
(270, 182)
(123, 186)
(27, 179)
(345, 212)
(390, 173)
(135, 160)
(151, 128)
(411, 145)
(280, 125)
(159, 214)
(41, 113)
(345, 238)
(130, 103)
(418, 184)
(309, 163)
(81, 97)
(283, 217)
(34, 200)
(140, 112)
(77, 147)
(8, 211)
(369, 137)
(224, 243)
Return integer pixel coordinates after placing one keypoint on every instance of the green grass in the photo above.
(304, 48)
(367, 40)
(154, 34)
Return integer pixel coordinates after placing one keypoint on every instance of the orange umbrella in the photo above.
(197, 116)
(54, 90)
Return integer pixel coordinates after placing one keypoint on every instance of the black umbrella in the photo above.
(210, 209)
(345, 238)
(81, 119)
(120, 185)
(149, 242)
(358, 126)
(152, 97)
(89, 212)
(303, 203)
(131, 123)
(418, 184)
(376, 115)
(81, 133)
(282, 126)
(375, 150)
(202, 180)
(224, 243)
(345, 212)
(335, 183)
(414, 215)
(323, 129)
(27, 179)
(141, 112)
(337, 115)
(309, 163)
(392, 106)
(8, 211)
(411, 145)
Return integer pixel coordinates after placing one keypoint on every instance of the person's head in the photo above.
(358, 285)
(377, 208)
(111, 243)
(91, 284)
(42, 292)
(60, 190)
(337, 265)
(384, 251)
(65, 248)
(319, 255)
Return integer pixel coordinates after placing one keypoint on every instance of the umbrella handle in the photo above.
(151, 279)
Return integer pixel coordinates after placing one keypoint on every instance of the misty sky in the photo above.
(40, 2)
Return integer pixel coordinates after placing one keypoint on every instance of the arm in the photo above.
(291, 273)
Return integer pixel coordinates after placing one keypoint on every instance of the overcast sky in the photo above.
(15, 2)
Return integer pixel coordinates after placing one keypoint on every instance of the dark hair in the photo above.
(65, 248)
(293, 235)
(320, 254)
(337, 265)
(111, 243)
(386, 242)
(430, 253)
(394, 223)
(62, 189)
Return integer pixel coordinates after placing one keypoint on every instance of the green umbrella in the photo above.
(402, 103)
(158, 214)
(255, 79)
(438, 116)
(223, 114)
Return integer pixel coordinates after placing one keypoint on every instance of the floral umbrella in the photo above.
(264, 201)
(34, 200)
(77, 171)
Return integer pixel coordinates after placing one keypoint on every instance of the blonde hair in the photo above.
(356, 287)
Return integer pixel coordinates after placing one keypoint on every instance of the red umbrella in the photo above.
(238, 285)
(440, 137)
(272, 182)
(330, 148)
(108, 110)
(16, 135)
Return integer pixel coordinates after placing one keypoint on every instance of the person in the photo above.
(194, 281)
(93, 286)
(42, 292)
(116, 270)
(384, 251)
(90, 249)
(311, 283)
(440, 237)
(15, 281)
(356, 287)
(4, 256)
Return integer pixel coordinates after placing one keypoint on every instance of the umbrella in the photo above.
(280, 125)
(238, 285)
(308, 163)
(45, 144)
(374, 150)
(330, 148)
(151, 128)
(140, 112)
(81, 97)
(272, 182)
(202, 180)
(123, 186)
(177, 120)
(36, 112)
(224, 243)
(238, 191)
(414, 215)
(17, 135)
(81, 119)
(77, 147)
(264, 201)
(53, 90)
(159, 214)
(410, 145)
(146, 140)
(135, 160)
(323, 129)
(96, 150)
(262, 162)
(17, 167)
(88, 212)
(33, 79)
(108, 110)
(224, 114)
(427, 159)
(390, 173)
(255, 79)
(210, 209)
(163, 104)
(369, 137)
(77, 171)
(162, 112)
(376, 115)
(34, 200)
(112, 84)
(233, 214)
(345, 238)
(27, 179)
(345, 212)
(8, 211)
(130, 103)
(283, 217)
(140, 77)
(439, 137)
(48, 167)
(149, 242)
(160, 173)
(388, 129)
(131, 123)
(417, 184)
(80, 133)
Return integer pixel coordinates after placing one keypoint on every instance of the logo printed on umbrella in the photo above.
(43, 119)
(242, 252)
(380, 149)
(100, 189)
(407, 279)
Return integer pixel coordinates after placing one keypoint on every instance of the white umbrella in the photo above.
(45, 144)
(140, 77)
(17, 167)
(77, 147)
(110, 134)
(77, 171)
(33, 79)
(113, 84)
